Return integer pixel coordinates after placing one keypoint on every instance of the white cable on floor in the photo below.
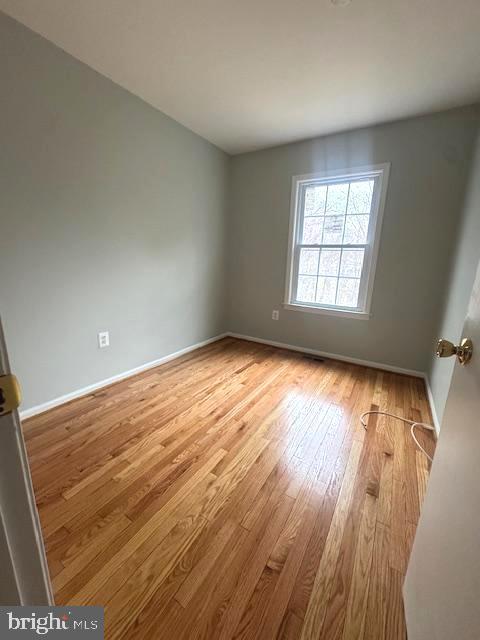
(411, 422)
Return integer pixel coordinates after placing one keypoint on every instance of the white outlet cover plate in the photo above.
(103, 339)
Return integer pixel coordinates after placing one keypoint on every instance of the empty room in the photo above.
(240, 319)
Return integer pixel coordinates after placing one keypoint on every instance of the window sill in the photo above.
(340, 313)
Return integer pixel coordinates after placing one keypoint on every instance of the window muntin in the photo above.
(335, 240)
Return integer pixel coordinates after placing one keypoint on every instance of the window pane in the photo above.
(337, 198)
(352, 261)
(306, 289)
(360, 198)
(334, 238)
(356, 229)
(347, 294)
(333, 230)
(312, 230)
(326, 288)
(308, 262)
(315, 198)
(329, 262)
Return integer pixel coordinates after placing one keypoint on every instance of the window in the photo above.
(334, 237)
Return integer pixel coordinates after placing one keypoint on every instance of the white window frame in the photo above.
(380, 173)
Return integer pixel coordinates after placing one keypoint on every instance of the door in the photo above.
(24, 571)
(442, 586)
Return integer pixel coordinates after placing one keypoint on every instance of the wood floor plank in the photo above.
(232, 493)
(377, 606)
(240, 576)
(154, 530)
(335, 619)
(317, 606)
(130, 599)
(358, 593)
(291, 627)
(398, 557)
(158, 614)
(395, 622)
(254, 567)
(422, 476)
(198, 574)
(277, 607)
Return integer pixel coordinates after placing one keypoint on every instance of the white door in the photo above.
(442, 586)
(24, 575)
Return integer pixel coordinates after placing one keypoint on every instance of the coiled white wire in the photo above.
(411, 422)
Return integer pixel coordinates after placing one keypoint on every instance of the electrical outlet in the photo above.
(275, 314)
(103, 339)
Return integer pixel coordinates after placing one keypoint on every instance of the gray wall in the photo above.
(458, 287)
(112, 216)
(430, 159)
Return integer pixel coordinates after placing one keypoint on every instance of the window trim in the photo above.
(381, 173)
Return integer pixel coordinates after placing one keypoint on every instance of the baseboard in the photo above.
(365, 363)
(431, 402)
(40, 408)
(332, 356)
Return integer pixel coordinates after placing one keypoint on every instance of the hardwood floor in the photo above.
(233, 493)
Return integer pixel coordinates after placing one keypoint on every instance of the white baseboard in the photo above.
(332, 356)
(366, 363)
(40, 408)
(431, 402)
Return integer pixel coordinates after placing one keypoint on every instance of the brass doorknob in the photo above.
(463, 351)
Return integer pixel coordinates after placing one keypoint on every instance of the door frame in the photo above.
(25, 575)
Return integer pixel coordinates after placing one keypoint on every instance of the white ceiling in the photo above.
(247, 74)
